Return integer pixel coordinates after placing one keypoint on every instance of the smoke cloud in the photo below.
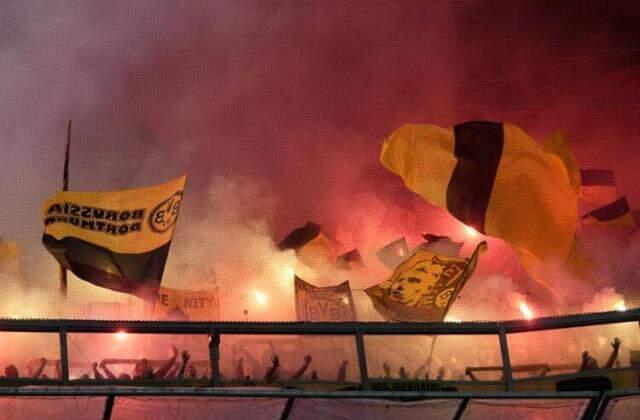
(276, 111)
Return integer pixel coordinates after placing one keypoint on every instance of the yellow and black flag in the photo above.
(310, 244)
(495, 178)
(615, 214)
(598, 186)
(423, 287)
(118, 240)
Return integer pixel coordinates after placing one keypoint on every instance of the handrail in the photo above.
(64, 327)
(341, 328)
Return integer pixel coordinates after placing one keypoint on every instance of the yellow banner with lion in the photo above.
(424, 286)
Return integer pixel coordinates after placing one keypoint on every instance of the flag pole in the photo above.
(62, 272)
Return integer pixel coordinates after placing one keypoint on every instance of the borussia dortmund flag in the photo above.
(615, 214)
(423, 287)
(118, 240)
(498, 180)
(324, 304)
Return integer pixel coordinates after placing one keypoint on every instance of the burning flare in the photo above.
(471, 232)
(620, 306)
(526, 311)
(261, 298)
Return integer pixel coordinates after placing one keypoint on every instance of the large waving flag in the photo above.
(424, 286)
(118, 240)
(498, 180)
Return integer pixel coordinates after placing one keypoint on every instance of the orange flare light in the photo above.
(121, 335)
(261, 298)
(471, 232)
(620, 306)
(526, 311)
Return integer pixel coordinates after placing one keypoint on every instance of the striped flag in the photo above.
(598, 186)
(615, 214)
(118, 240)
(495, 178)
(310, 244)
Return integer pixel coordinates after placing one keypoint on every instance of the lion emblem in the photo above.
(426, 282)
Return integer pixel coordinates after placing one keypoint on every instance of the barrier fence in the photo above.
(64, 387)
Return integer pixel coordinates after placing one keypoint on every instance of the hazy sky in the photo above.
(291, 100)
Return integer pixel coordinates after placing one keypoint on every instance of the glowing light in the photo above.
(121, 335)
(452, 319)
(344, 300)
(261, 298)
(620, 306)
(471, 232)
(289, 273)
(526, 311)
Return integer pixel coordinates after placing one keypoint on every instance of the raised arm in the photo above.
(185, 358)
(161, 373)
(342, 372)
(302, 370)
(585, 361)
(420, 371)
(96, 373)
(387, 370)
(614, 353)
(240, 369)
(106, 370)
(173, 373)
(270, 374)
(38, 371)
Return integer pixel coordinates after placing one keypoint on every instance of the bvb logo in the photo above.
(444, 297)
(164, 216)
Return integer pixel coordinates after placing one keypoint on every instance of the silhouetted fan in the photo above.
(590, 383)
(300, 237)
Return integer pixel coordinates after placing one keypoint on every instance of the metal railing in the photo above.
(214, 330)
